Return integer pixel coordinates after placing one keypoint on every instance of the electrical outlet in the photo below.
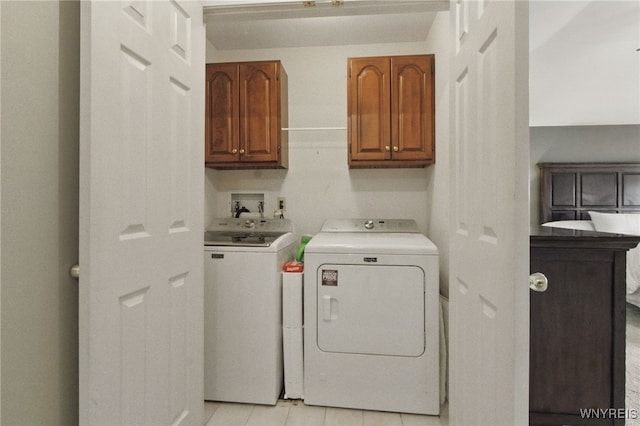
(282, 205)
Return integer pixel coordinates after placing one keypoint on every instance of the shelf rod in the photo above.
(313, 128)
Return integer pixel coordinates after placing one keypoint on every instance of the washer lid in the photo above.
(285, 240)
(362, 242)
(241, 232)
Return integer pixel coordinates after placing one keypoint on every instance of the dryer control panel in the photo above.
(370, 225)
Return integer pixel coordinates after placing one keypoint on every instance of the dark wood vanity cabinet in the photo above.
(577, 328)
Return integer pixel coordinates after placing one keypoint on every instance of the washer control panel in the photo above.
(370, 225)
(245, 225)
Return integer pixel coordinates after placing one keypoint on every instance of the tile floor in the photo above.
(295, 413)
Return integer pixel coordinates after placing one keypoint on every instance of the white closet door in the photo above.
(141, 196)
(489, 226)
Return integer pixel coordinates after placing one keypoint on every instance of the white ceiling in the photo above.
(584, 63)
(254, 24)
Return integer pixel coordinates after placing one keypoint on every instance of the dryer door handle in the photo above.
(326, 308)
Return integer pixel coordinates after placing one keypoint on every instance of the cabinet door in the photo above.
(573, 337)
(221, 113)
(369, 109)
(259, 114)
(412, 107)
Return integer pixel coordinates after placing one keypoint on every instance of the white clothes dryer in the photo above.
(371, 312)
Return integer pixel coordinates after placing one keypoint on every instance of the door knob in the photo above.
(538, 282)
(74, 271)
(234, 151)
(396, 149)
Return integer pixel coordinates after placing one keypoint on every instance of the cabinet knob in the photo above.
(538, 282)
(395, 149)
(387, 148)
(242, 151)
(234, 151)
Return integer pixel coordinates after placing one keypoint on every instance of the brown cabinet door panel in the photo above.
(412, 109)
(221, 113)
(369, 109)
(259, 124)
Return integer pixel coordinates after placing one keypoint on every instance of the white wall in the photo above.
(579, 144)
(438, 174)
(318, 183)
(584, 67)
(0, 212)
(39, 228)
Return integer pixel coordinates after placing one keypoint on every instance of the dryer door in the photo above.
(375, 310)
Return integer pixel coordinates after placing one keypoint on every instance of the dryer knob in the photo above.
(369, 224)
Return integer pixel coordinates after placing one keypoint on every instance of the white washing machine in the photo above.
(243, 308)
(371, 300)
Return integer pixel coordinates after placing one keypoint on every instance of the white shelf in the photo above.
(304, 129)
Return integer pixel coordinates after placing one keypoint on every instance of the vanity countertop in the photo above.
(545, 236)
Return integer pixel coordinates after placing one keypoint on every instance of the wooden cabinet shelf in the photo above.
(245, 111)
(391, 111)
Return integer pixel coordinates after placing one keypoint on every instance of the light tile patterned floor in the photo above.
(295, 413)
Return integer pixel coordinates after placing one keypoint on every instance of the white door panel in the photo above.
(376, 310)
(141, 285)
(489, 222)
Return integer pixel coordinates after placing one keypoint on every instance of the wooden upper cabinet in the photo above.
(246, 108)
(391, 111)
